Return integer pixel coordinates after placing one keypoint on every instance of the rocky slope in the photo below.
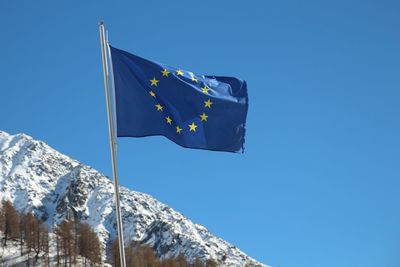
(54, 187)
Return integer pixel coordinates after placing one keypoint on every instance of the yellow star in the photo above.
(192, 127)
(205, 89)
(154, 81)
(179, 72)
(165, 73)
(194, 79)
(203, 117)
(208, 103)
(178, 130)
(168, 120)
(152, 94)
(159, 107)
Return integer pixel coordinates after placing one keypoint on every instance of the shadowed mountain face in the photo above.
(54, 187)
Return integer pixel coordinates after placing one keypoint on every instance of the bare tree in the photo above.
(211, 263)
(22, 232)
(115, 253)
(58, 247)
(180, 261)
(84, 242)
(197, 263)
(89, 244)
(9, 222)
(44, 242)
(66, 235)
(73, 238)
(94, 248)
(30, 225)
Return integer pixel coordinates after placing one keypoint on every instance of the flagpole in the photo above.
(112, 146)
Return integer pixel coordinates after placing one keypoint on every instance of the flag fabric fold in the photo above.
(194, 111)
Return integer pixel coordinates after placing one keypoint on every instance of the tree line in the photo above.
(74, 244)
(73, 240)
(137, 255)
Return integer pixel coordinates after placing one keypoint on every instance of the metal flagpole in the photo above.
(112, 146)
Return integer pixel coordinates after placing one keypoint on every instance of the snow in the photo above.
(11, 255)
(54, 187)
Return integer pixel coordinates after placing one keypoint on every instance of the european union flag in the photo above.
(194, 111)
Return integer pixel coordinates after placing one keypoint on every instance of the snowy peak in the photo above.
(54, 187)
(3, 137)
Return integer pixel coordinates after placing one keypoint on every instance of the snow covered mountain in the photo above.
(54, 187)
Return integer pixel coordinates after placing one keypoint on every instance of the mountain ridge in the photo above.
(39, 179)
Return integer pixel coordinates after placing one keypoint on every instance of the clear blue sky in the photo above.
(319, 183)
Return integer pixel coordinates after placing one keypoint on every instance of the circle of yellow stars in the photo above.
(207, 104)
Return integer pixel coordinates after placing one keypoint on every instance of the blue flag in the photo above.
(194, 111)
